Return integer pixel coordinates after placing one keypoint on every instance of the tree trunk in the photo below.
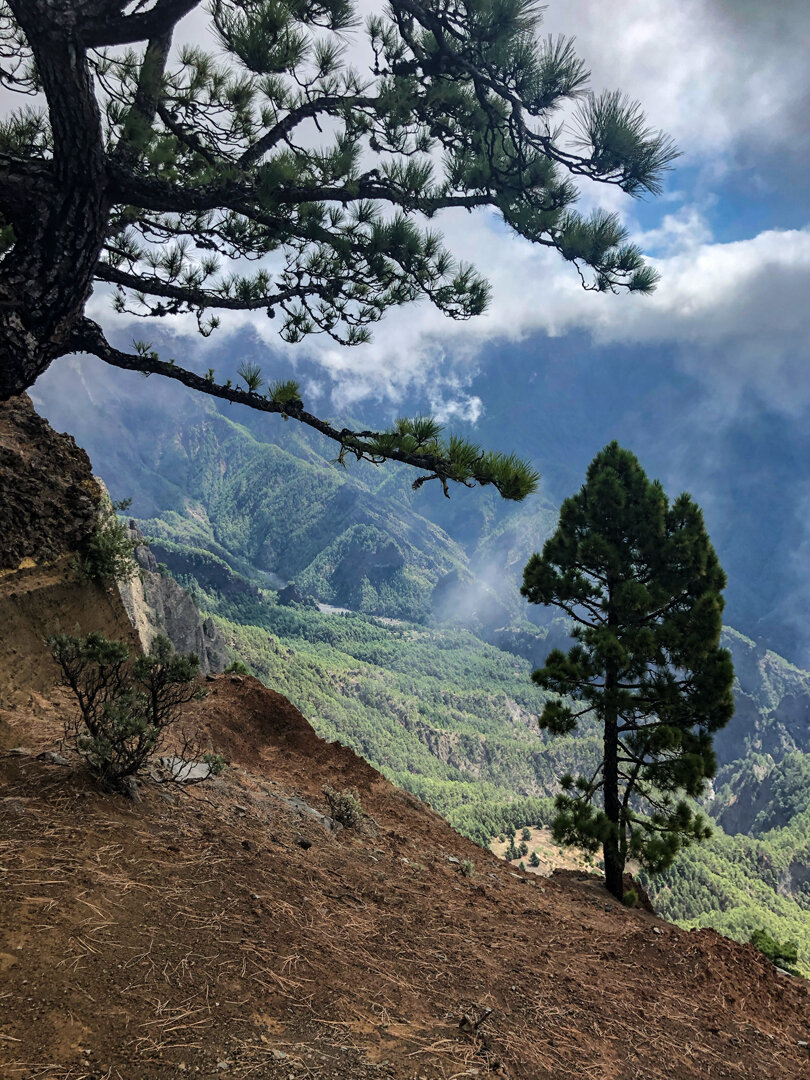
(614, 863)
(59, 224)
(614, 860)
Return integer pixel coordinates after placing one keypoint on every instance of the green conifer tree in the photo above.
(642, 585)
(185, 180)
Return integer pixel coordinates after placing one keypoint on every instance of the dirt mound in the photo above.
(48, 498)
(228, 933)
(257, 728)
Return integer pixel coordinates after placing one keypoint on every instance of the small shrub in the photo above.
(107, 556)
(124, 708)
(534, 859)
(630, 898)
(215, 762)
(467, 867)
(784, 954)
(236, 667)
(344, 806)
(522, 865)
(163, 569)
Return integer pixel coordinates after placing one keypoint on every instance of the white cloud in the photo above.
(735, 314)
(711, 73)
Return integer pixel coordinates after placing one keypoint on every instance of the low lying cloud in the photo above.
(735, 314)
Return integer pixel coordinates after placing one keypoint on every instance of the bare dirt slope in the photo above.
(41, 600)
(228, 933)
(48, 510)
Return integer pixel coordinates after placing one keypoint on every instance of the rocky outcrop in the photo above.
(156, 604)
(291, 595)
(48, 497)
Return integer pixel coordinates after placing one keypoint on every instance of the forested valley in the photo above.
(400, 641)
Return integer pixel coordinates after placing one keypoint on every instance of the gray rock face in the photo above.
(186, 772)
(156, 604)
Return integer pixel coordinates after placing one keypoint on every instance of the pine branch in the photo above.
(514, 481)
(108, 29)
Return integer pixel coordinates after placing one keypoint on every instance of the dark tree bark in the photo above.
(48, 274)
(614, 861)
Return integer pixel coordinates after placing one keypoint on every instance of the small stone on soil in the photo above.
(53, 758)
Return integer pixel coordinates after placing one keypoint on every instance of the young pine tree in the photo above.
(642, 585)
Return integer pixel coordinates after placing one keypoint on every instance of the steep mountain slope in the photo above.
(250, 508)
(235, 514)
(453, 720)
(440, 712)
(229, 931)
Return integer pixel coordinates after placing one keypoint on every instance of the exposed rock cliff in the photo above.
(49, 505)
(48, 498)
(156, 604)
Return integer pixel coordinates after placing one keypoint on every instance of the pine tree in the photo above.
(534, 859)
(642, 585)
(186, 181)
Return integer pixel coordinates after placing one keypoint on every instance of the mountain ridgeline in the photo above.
(413, 646)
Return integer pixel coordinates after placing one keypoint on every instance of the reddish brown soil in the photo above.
(197, 937)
